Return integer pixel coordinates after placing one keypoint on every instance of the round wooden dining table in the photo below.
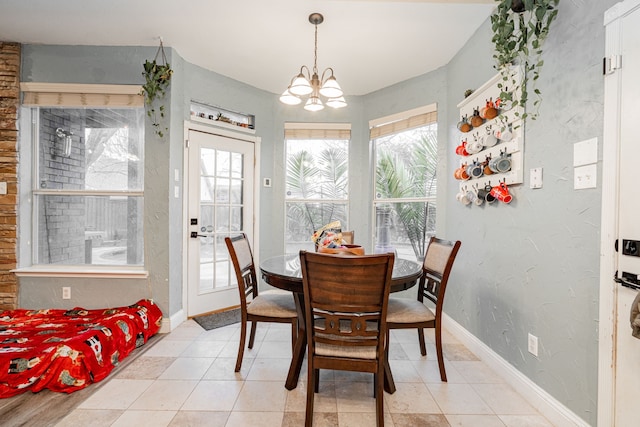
(284, 272)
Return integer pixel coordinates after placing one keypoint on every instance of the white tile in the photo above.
(503, 399)
(144, 418)
(90, 418)
(324, 400)
(404, 371)
(202, 348)
(199, 418)
(213, 396)
(223, 368)
(429, 371)
(475, 421)
(355, 397)
(275, 349)
(168, 348)
(476, 372)
(458, 399)
(411, 398)
(231, 349)
(165, 395)
(354, 419)
(225, 333)
(269, 370)
(116, 394)
(525, 421)
(187, 368)
(265, 396)
(262, 419)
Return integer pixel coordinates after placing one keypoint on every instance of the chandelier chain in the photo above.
(315, 52)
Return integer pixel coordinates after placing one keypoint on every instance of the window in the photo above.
(405, 155)
(87, 181)
(317, 180)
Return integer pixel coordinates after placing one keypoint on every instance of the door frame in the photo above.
(609, 221)
(213, 130)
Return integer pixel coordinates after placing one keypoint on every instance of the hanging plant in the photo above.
(520, 28)
(157, 77)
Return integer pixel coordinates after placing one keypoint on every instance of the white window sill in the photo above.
(82, 271)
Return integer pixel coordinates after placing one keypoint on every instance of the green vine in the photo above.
(520, 28)
(157, 77)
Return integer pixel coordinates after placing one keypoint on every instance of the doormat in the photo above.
(217, 320)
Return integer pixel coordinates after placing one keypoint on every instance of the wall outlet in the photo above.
(533, 345)
(66, 292)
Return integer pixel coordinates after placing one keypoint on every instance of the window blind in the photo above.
(404, 124)
(317, 131)
(81, 95)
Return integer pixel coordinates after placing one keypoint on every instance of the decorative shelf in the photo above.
(227, 119)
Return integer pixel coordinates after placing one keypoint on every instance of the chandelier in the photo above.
(308, 83)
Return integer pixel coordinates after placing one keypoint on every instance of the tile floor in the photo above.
(187, 379)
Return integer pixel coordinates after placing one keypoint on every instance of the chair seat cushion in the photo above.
(356, 352)
(273, 304)
(408, 311)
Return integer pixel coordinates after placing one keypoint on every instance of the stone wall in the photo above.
(9, 101)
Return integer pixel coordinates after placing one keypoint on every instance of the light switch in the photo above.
(585, 177)
(535, 178)
(585, 152)
(267, 182)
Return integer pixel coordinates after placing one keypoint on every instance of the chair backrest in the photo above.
(436, 268)
(346, 300)
(242, 259)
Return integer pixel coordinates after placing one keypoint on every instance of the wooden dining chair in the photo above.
(269, 306)
(345, 300)
(408, 314)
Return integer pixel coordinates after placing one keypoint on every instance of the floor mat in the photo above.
(217, 320)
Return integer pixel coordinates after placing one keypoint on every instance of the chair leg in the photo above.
(252, 337)
(443, 373)
(316, 378)
(294, 333)
(311, 386)
(379, 394)
(423, 347)
(243, 337)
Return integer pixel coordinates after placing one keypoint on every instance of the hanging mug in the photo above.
(476, 120)
(490, 140)
(461, 149)
(464, 125)
(475, 170)
(490, 111)
(485, 193)
(475, 146)
(487, 169)
(501, 192)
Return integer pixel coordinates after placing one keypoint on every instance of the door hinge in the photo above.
(186, 143)
(611, 63)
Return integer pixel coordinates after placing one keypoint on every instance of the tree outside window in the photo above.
(317, 184)
(405, 179)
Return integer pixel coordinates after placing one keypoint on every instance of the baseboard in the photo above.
(169, 324)
(546, 404)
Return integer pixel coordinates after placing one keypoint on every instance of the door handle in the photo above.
(195, 235)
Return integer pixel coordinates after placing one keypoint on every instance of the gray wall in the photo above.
(531, 266)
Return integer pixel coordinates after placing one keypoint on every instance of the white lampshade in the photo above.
(331, 88)
(313, 104)
(289, 99)
(336, 102)
(300, 86)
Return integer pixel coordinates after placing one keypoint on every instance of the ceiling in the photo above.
(369, 44)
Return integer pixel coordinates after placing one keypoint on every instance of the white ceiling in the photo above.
(369, 44)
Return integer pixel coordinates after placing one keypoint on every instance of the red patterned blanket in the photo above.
(66, 350)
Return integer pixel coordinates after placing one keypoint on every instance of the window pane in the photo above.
(317, 169)
(91, 149)
(305, 218)
(89, 230)
(404, 228)
(406, 165)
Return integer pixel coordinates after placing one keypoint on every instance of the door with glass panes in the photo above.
(220, 204)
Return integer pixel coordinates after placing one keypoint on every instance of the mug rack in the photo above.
(507, 119)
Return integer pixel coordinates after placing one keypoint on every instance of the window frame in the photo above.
(68, 96)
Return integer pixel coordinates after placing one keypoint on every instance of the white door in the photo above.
(220, 204)
(625, 348)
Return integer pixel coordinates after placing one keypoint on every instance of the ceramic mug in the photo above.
(476, 120)
(464, 125)
(462, 197)
(461, 149)
(490, 140)
(486, 193)
(475, 170)
(475, 146)
(501, 192)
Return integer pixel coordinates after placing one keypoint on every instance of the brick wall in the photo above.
(9, 101)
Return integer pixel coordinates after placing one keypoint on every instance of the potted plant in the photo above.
(520, 28)
(157, 77)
